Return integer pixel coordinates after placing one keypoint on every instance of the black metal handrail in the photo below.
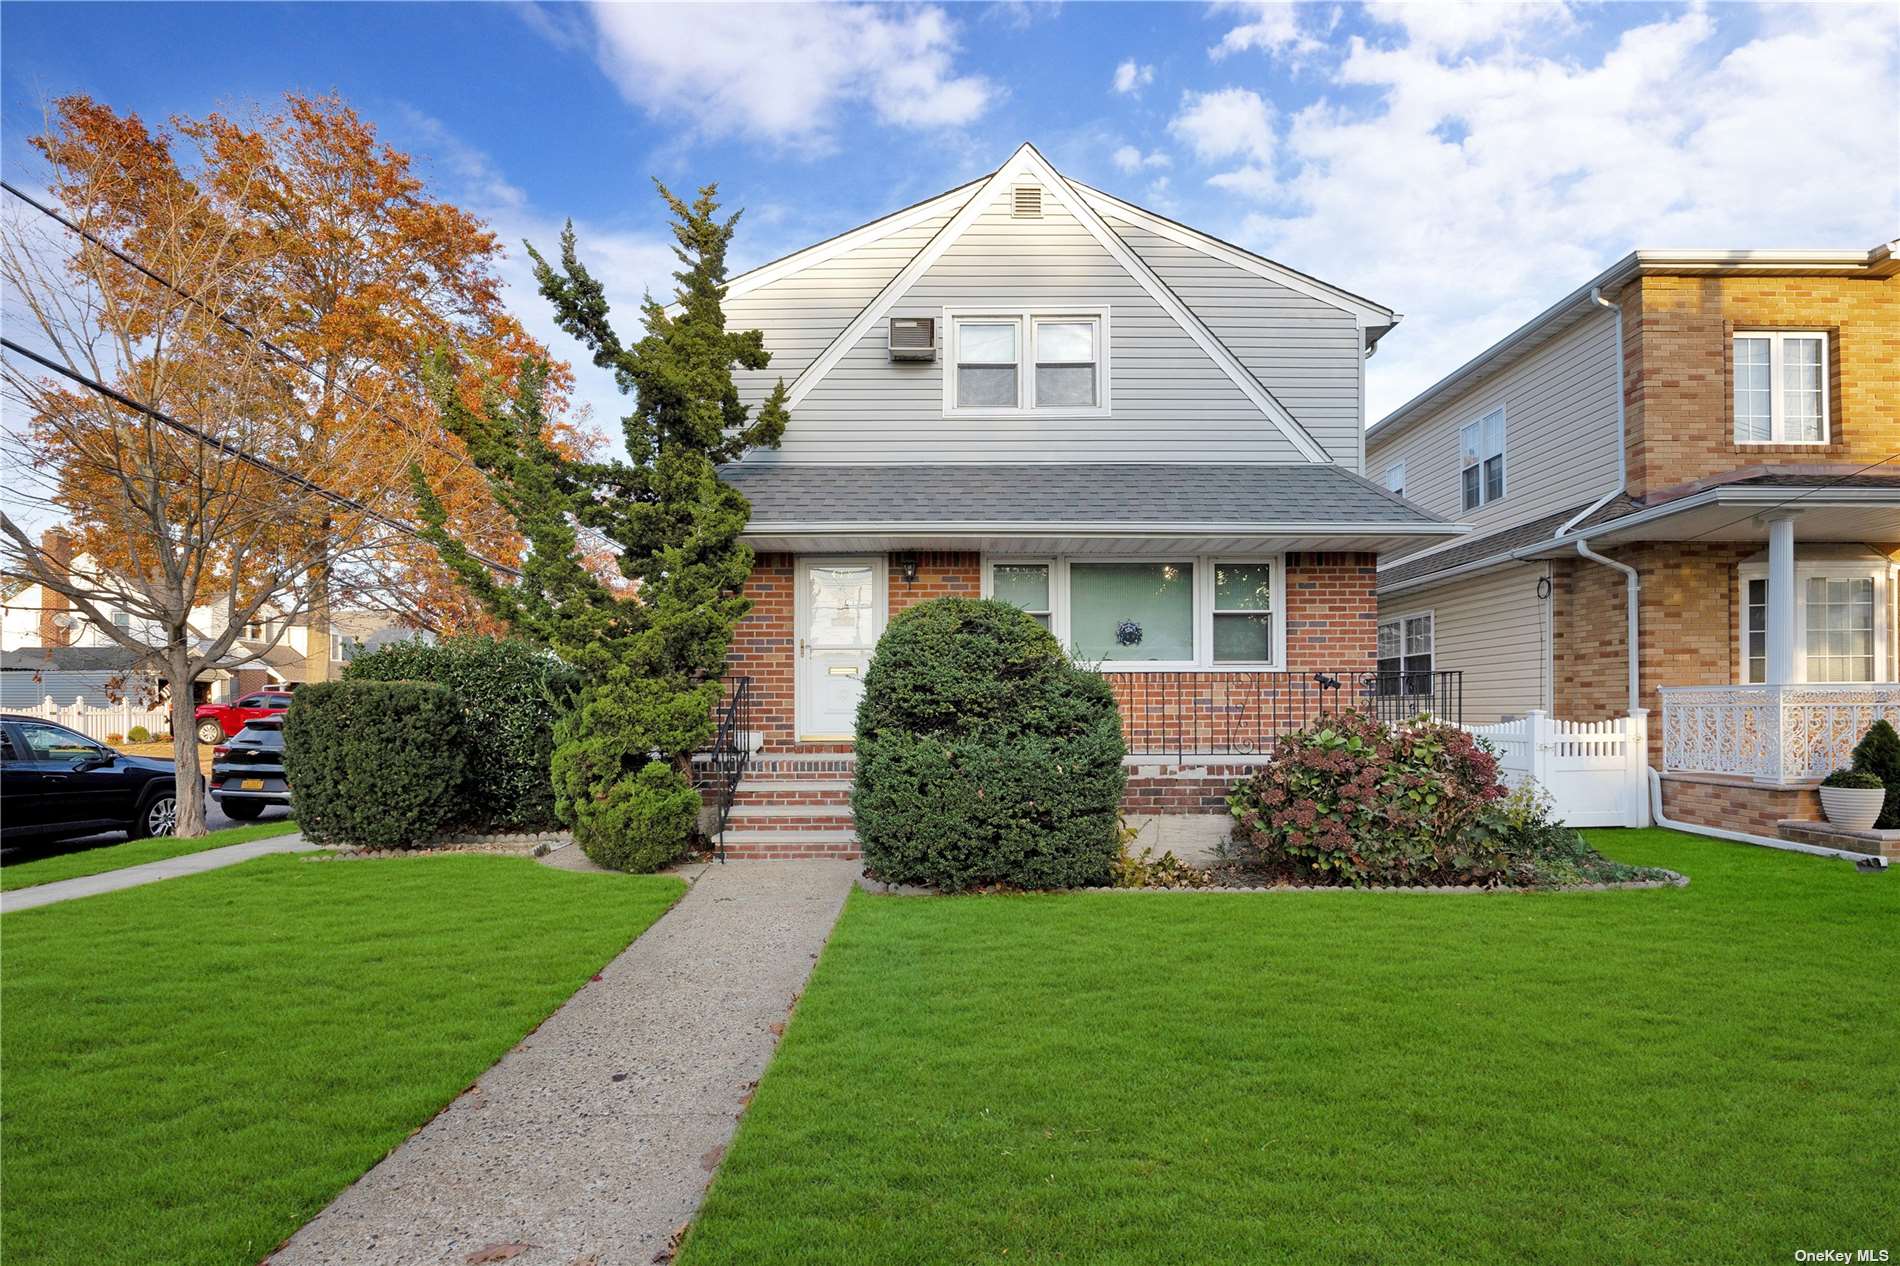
(731, 752)
(1185, 714)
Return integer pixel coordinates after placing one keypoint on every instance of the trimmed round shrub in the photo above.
(138, 734)
(984, 756)
(511, 693)
(377, 763)
(1878, 753)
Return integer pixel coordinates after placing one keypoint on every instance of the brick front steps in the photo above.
(792, 806)
(1825, 834)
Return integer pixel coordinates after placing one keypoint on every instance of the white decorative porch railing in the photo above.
(1771, 733)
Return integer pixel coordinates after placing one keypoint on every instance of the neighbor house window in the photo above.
(1395, 478)
(1025, 585)
(1243, 613)
(1132, 611)
(1481, 459)
(1840, 628)
(1839, 622)
(122, 621)
(1028, 362)
(1405, 655)
(1781, 388)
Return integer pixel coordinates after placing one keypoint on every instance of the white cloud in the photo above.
(1232, 123)
(1470, 189)
(1274, 28)
(785, 72)
(1448, 26)
(1131, 77)
(1131, 159)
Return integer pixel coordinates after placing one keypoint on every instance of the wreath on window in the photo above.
(1128, 633)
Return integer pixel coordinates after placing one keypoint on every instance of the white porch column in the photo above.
(1781, 626)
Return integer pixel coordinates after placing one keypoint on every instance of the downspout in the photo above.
(1632, 583)
(1865, 860)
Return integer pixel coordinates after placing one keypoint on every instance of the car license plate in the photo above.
(252, 784)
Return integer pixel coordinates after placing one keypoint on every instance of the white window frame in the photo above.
(1429, 614)
(1484, 455)
(1777, 405)
(1026, 320)
(1204, 564)
(1395, 478)
(1884, 578)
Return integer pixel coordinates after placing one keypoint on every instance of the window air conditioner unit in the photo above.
(913, 338)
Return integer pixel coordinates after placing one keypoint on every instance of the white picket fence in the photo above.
(99, 722)
(1595, 772)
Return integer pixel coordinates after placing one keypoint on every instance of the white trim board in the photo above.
(1026, 162)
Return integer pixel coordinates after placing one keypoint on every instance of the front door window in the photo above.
(841, 621)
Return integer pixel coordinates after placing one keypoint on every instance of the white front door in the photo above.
(840, 614)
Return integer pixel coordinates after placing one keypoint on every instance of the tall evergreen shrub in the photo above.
(1878, 753)
(511, 693)
(983, 755)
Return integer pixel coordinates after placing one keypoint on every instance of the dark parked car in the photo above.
(247, 774)
(56, 782)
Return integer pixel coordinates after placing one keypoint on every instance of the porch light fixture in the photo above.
(907, 566)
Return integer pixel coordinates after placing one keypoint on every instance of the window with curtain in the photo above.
(1481, 460)
(988, 360)
(1025, 585)
(1132, 611)
(1395, 479)
(1780, 387)
(1243, 613)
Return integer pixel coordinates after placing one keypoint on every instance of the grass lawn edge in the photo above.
(111, 857)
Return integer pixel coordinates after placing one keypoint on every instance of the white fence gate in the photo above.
(1595, 772)
(96, 722)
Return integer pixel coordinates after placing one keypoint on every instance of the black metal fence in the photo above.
(1185, 714)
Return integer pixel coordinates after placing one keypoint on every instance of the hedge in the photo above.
(378, 763)
(984, 757)
(511, 694)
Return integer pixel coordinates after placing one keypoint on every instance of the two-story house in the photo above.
(1029, 389)
(1695, 455)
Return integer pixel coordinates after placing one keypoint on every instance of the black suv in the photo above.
(247, 774)
(56, 782)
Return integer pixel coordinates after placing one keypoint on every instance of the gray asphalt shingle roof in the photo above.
(1131, 495)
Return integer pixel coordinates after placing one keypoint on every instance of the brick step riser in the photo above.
(800, 822)
(840, 801)
(749, 852)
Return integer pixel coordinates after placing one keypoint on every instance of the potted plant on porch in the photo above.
(1852, 798)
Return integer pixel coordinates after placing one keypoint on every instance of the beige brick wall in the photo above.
(1678, 334)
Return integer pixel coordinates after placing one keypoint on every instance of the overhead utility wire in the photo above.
(232, 450)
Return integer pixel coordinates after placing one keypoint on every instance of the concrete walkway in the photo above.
(150, 872)
(593, 1140)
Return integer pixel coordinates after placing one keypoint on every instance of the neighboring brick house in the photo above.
(1742, 459)
(1029, 389)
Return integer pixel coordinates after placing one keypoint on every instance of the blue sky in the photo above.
(1463, 164)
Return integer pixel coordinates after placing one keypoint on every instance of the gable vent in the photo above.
(913, 338)
(1028, 202)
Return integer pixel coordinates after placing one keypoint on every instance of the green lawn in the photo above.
(94, 861)
(191, 1070)
(1707, 1075)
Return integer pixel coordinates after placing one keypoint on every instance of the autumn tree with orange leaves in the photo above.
(270, 284)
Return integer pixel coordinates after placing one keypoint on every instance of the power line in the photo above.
(242, 455)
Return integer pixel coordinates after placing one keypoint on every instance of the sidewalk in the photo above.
(150, 872)
(594, 1139)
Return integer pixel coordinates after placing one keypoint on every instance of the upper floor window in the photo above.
(1027, 362)
(1781, 388)
(1395, 479)
(1481, 458)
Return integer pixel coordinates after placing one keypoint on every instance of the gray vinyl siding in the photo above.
(801, 313)
(1170, 401)
(1303, 350)
(1494, 629)
(1560, 434)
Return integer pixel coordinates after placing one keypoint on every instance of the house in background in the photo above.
(1149, 439)
(1697, 453)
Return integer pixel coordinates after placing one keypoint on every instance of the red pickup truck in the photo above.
(220, 721)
